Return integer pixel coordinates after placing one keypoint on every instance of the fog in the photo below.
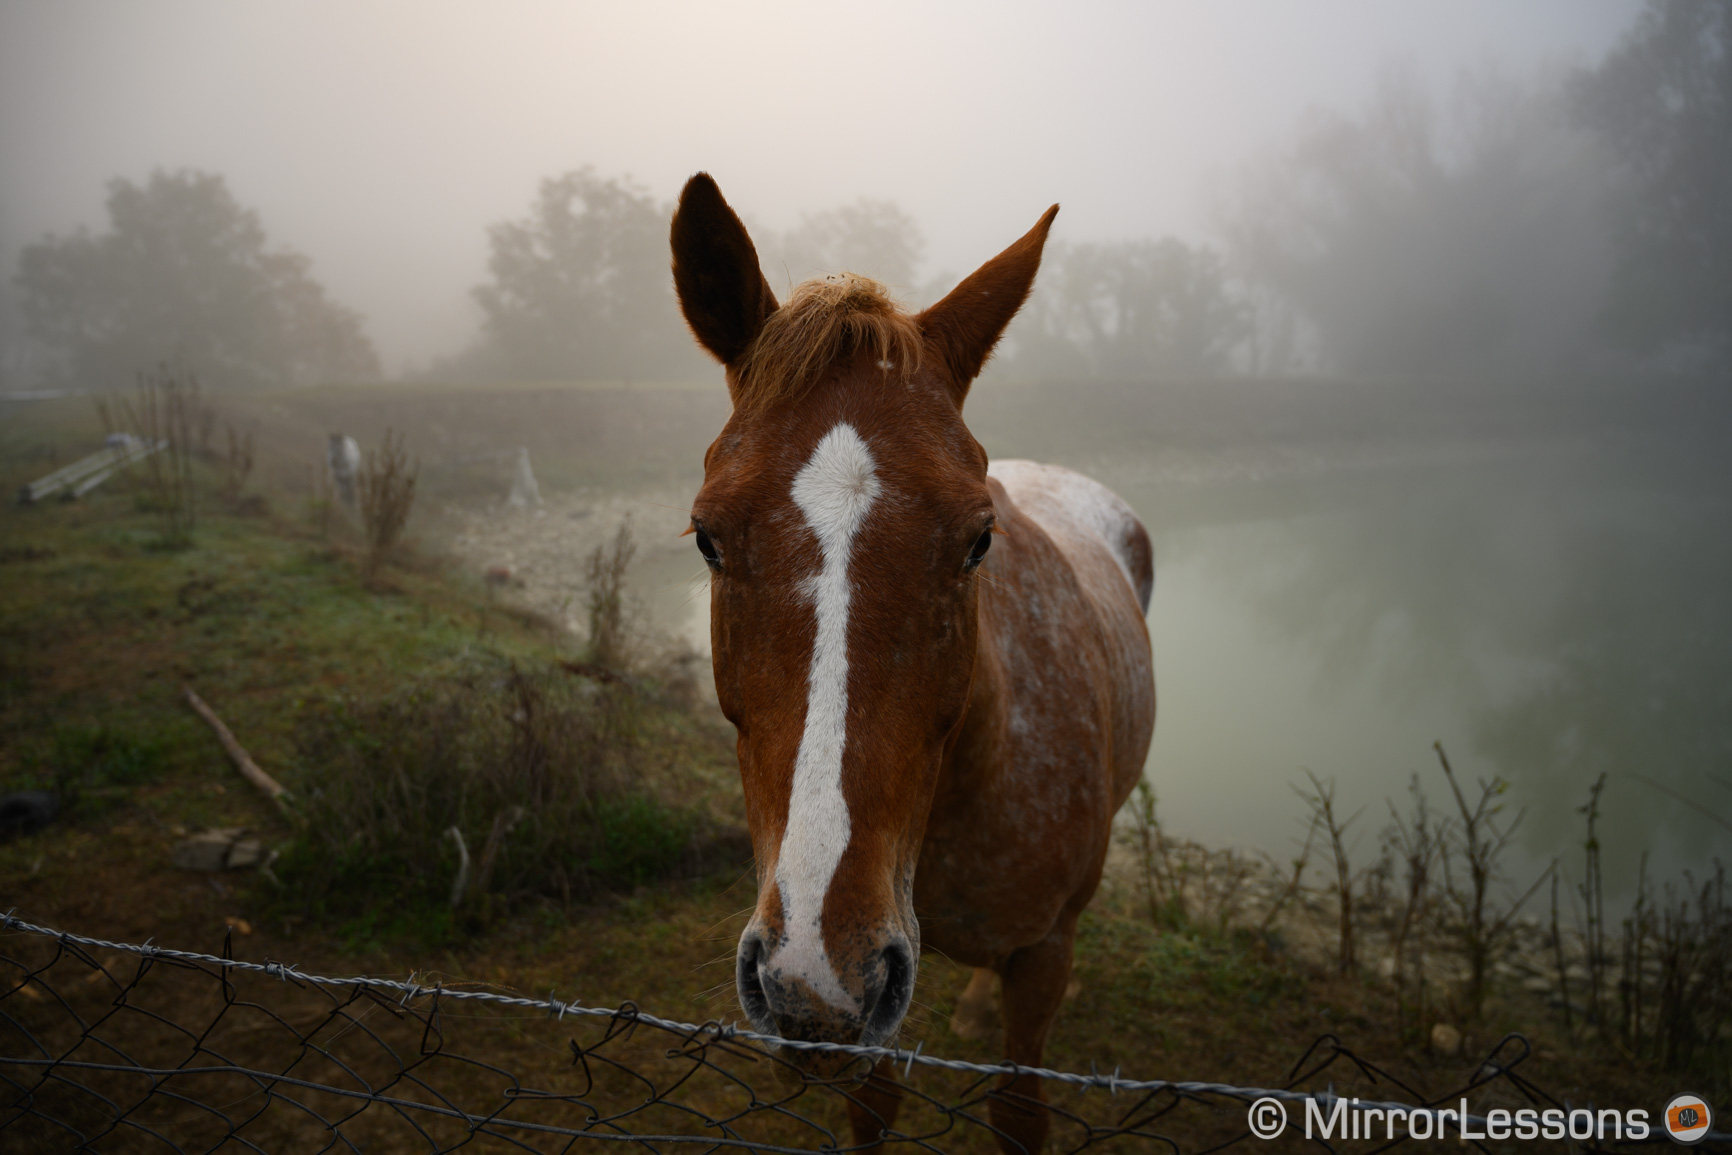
(382, 139)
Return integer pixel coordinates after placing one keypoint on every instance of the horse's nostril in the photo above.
(887, 1000)
(749, 982)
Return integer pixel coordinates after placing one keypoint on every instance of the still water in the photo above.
(1547, 612)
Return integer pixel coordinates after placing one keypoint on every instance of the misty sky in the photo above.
(380, 138)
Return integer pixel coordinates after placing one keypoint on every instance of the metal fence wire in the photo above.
(114, 1046)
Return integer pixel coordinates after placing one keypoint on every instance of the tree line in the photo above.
(184, 273)
(1574, 222)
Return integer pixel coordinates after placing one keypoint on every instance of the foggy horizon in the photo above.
(382, 142)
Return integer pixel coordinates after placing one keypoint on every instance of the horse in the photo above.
(938, 669)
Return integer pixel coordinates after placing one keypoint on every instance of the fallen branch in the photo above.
(243, 761)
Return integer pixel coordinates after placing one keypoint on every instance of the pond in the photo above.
(1547, 611)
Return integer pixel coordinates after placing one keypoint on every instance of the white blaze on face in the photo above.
(834, 491)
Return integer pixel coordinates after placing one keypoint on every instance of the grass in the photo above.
(277, 629)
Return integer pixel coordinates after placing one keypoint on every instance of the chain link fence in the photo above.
(113, 1046)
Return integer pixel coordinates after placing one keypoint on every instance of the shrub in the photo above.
(386, 489)
(539, 772)
(167, 411)
(604, 590)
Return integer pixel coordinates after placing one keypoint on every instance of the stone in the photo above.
(220, 848)
(1445, 1039)
(524, 491)
(208, 850)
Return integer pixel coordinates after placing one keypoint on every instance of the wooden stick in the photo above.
(243, 761)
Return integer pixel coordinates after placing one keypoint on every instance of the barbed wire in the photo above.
(364, 1062)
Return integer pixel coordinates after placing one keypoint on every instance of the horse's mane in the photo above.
(825, 319)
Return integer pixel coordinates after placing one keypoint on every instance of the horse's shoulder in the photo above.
(1071, 505)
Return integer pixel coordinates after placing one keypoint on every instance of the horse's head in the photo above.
(843, 516)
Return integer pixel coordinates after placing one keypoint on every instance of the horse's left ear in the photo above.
(722, 291)
(968, 323)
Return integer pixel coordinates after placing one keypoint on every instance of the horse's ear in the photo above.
(722, 291)
(968, 323)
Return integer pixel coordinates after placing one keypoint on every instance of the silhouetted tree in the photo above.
(1412, 242)
(1662, 102)
(1143, 309)
(877, 239)
(581, 287)
(184, 273)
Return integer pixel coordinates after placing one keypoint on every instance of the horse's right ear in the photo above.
(722, 291)
(965, 325)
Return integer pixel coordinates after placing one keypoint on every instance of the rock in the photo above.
(207, 850)
(222, 848)
(524, 490)
(1445, 1039)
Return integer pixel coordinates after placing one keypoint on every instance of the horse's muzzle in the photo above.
(785, 1003)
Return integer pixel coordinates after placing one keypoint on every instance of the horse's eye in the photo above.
(977, 552)
(708, 549)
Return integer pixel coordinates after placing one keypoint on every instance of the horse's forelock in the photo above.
(825, 319)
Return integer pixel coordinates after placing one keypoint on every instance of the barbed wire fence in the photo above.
(127, 1046)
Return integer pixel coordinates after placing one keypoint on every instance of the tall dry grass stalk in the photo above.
(385, 487)
(1593, 892)
(1673, 986)
(1415, 844)
(237, 463)
(604, 581)
(1483, 925)
(1321, 799)
(167, 410)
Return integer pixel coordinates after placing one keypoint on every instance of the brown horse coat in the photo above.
(935, 730)
(1063, 680)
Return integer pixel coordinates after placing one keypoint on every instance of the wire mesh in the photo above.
(131, 1047)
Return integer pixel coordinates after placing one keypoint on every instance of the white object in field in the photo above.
(344, 457)
(524, 491)
(85, 474)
